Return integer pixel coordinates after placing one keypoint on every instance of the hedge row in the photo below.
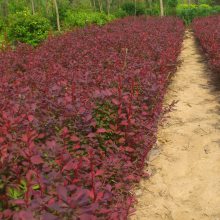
(207, 30)
(78, 116)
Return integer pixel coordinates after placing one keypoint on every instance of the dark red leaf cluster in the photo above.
(207, 30)
(78, 116)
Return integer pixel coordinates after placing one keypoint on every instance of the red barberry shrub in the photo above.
(78, 116)
(207, 30)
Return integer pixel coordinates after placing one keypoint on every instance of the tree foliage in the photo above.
(28, 28)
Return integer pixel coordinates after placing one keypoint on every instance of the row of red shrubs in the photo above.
(207, 30)
(78, 116)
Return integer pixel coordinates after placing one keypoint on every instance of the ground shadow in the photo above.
(213, 83)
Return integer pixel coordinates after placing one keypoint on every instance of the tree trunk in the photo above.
(5, 8)
(57, 14)
(189, 2)
(161, 8)
(93, 5)
(119, 4)
(135, 7)
(150, 3)
(108, 6)
(100, 5)
(32, 6)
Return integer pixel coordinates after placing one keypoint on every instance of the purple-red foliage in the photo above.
(207, 30)
(78, 116)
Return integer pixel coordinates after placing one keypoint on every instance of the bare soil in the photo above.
(185, 163)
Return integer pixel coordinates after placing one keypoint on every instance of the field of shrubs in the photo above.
(207, 31)
(79, 114)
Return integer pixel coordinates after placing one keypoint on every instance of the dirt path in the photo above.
(185, 164)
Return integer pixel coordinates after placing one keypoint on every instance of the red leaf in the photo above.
(93, 124)
(122, 115)
(99, 195)
(1, 140)
(113, 127)
(51, 144)
(118, 185)
(42, 135)
(132, 121)
(64, 131)
(82, 110)
(91, 135)
(37, 160)
(121, 140)
(74, 138)
(51, 201)
(7, 213)
(24, 138)
(125, 123)
(87, 217)
(99, 172)
(131, 177)
(126, 97)
(115, 101)
(30, 118)
(91, 194)
(62, 192)
(18, 202)
(58, 162)
(69, 166)
(49, 216)
(30, 175)
(101, 130)
(88, 117)
(76, 147)
(129, 149)
(24, 215)
(144, 113)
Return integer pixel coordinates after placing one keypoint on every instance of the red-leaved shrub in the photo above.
(207, 30)
(78, 116)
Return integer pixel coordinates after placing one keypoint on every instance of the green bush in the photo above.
(186, 12)
(17, 6)
(170, 8)
(170, 11)
(2, 25)
(2, 30)
(120, 13)
(80, 19)
(216, 9)
(189, 12)
(204, 10)
(172, 3)
(148, 11)
(27, 28)
(129, 8)
(206, 2)
(155, 11)
(140, 9)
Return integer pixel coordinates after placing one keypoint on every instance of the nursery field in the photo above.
(78, 116)
(207, 30)
(112, 122)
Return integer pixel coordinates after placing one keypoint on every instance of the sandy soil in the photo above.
(185, 163)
